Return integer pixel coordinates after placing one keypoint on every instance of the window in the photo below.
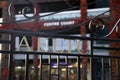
(50, 7)
(91, 6)
(102, 4)
(97, 4)
(56, 6)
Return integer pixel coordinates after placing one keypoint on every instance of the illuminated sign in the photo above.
(58, 45)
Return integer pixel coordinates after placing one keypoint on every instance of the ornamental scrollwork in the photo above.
(95, 24)
(25, 10)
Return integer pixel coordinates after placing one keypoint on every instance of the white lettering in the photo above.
(62, 23)
(51, 24)
(67, 23)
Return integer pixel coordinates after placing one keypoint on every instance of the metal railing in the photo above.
(58, 65)
(22, 62)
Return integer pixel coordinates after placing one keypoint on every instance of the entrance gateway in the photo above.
(54, 65)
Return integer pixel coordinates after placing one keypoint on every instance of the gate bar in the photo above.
(12, 47)
(43, 34)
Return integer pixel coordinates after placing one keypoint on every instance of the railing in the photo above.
(57, 65)
(54, 65)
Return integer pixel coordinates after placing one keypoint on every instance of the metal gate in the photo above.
(58, 56)
(56, 65)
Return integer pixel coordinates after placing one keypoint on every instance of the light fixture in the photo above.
(18, 67)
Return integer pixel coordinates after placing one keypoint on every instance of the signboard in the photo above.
(58, 45)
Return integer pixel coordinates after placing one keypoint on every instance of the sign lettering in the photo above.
(58, 45)
(62, 23)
